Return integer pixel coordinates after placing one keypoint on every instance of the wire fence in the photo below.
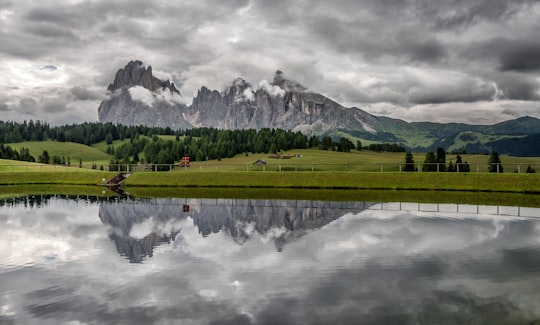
(205, 167)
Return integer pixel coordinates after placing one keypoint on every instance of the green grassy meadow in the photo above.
(311, 159)
(354, 161)
(306, 169)
(517, 183)
(74, 151)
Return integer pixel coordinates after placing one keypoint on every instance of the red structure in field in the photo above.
(185, 162)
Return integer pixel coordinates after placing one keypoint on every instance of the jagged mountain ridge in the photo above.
(139, 98)
(282, 104)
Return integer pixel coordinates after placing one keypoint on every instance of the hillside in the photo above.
(74, 151)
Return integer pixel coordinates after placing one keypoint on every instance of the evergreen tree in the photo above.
(458, 163)
(358, 145)
(430, 162)
(495, 163)
(273, 149)
(451, 167)
(109, 139)
(44, 157)
(465, 168)
(409, 162)
(461, 166)
(441, 159)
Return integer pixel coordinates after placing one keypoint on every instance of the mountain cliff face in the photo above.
(137, 97)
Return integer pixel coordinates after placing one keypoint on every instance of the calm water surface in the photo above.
(208, 261)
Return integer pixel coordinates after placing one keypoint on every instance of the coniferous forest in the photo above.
(146, 146)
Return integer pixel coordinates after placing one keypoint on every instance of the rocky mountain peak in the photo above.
(288, 85)
(238, 89)
(136, 74)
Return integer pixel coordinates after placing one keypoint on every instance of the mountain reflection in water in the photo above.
(139, 226)
(198, 261)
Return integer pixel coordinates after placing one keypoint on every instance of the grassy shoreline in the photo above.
(481, 182)
(475, 182)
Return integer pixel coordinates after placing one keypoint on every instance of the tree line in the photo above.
(436, 162)
(145, 145)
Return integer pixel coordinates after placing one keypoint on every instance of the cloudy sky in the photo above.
(474, 61)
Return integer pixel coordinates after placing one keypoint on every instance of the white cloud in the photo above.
(248, 94)
(271, 89)
(142, 94)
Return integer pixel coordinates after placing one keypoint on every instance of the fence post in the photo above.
(519, 168)
(382, 168)
(497, 173)
(400, 168)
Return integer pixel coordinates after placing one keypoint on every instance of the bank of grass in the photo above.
(483, 182)
(52, 177)
(10, 191)
(455, 197)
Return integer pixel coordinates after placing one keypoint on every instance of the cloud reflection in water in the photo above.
(265, 262)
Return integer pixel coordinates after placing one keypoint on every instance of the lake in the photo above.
(239, 261)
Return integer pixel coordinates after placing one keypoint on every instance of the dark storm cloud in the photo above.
(54, 106)
(82, 93)
(52, 32)
(357, 52)
(518, 87)
(459, 14)
(516, 54)
(28, 106)
(519, 55)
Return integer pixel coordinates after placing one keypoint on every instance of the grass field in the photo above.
(9, 191)
(311, 159)
(72, 177)
(354, 161)
(72, 150)
(334, 170)
(459, 197)
(517, 183)
(102, 146)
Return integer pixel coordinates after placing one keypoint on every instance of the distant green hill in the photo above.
(514, 137)
(74, 151)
